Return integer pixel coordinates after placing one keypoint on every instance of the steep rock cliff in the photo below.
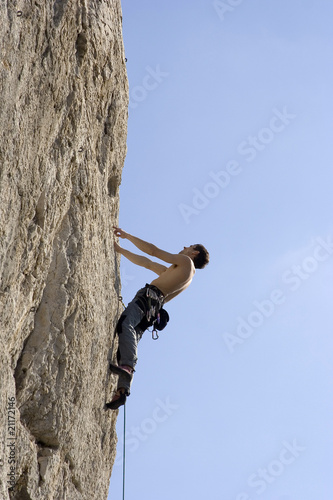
(63, 123)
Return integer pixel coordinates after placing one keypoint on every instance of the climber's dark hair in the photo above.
(202, 259)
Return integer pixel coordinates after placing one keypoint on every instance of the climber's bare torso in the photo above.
(175, 279)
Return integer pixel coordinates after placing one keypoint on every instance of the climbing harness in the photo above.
(150, 299)
(154, 300)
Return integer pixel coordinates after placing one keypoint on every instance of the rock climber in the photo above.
(144, 310)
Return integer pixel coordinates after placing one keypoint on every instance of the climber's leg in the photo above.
(129, 335)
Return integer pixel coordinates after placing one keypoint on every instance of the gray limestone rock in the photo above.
(63, 126)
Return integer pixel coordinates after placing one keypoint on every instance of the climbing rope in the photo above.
(124, 451)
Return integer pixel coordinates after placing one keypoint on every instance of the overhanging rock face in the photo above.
(63, 125)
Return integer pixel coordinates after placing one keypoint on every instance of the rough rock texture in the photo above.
(63, 123)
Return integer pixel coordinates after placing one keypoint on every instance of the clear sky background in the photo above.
(230, 145)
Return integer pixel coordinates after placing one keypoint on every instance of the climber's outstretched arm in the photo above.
(144, 246)
(140, 260)
(151, 249)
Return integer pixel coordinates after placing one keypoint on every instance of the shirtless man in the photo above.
(171, 281)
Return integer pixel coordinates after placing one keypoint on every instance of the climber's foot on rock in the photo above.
(118, 399)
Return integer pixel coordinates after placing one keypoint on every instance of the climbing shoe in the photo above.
(117, 401)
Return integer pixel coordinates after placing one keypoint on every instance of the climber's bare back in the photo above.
(175, 279)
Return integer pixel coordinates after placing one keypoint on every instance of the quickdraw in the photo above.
(157, 321)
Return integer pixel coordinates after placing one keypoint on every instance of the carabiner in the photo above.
(154, 334)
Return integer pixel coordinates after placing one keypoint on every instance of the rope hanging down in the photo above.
(124, 450)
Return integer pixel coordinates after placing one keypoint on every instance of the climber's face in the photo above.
(189, 251)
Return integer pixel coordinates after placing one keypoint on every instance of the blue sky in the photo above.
(229, 145)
